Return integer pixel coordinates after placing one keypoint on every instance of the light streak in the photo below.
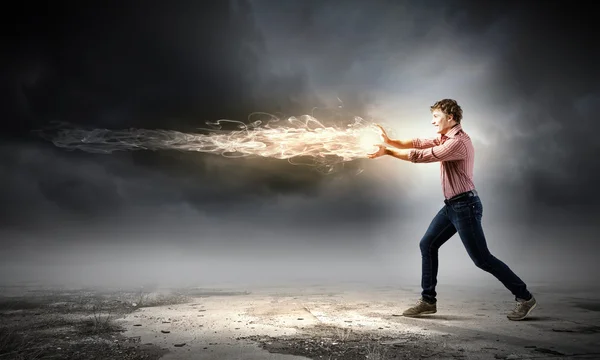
(289, 139)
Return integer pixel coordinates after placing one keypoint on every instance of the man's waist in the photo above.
(462, 196)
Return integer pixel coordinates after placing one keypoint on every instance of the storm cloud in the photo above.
(525, 75)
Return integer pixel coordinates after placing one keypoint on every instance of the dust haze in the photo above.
(68, 217)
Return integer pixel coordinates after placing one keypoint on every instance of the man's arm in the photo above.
(452, 149)
(401, 154)
(413, 143)
(424, 143)
(400, 143)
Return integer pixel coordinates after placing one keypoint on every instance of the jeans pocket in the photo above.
(477, 209)
(467, 209)
(460, 206)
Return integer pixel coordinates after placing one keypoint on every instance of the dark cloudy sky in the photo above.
(526, 75)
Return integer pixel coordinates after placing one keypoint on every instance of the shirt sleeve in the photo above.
(425, 143)
(451, 150)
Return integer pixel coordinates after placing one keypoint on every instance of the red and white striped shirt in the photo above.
(456, 155)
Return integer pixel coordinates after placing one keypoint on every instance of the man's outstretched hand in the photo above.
(384, 137)
(381, 151)
(397, 148)
(380, 147)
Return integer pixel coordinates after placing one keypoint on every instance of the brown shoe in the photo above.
(422, 308)
(522, 309)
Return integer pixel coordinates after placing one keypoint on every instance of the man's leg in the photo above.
(467, 219)
(440, 230)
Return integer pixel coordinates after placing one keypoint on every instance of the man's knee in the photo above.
(426, 245)
(483, 262)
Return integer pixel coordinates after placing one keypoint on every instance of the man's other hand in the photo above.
(384, 137)
(380, 152)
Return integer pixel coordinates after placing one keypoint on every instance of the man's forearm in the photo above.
(401, 143)
(402, 154)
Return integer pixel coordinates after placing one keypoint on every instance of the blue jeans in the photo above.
(463, 216)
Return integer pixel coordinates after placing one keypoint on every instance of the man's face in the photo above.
(441, 121)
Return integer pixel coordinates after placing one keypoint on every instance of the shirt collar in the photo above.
(453, 131)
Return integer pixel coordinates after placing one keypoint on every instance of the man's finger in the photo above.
(383, 133)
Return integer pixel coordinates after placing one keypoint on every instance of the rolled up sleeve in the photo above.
(451, 150)
(425, 143)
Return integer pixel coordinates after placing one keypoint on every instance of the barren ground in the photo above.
(354, 321)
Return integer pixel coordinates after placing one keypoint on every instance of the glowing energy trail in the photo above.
(289, 139)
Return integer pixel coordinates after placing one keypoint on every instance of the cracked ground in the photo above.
(352, 321)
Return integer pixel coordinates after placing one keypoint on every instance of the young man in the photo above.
(463, 209)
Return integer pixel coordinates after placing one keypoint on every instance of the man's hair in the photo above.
(449, 107)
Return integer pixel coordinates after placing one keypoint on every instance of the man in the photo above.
(462, 211)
